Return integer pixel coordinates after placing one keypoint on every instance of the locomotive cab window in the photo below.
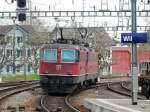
(77, 56)
(69, 56)
(50, 55)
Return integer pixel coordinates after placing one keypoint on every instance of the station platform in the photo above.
(116, 105)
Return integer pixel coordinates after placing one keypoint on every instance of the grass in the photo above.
(20, 77)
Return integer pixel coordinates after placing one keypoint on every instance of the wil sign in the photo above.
(133, 37)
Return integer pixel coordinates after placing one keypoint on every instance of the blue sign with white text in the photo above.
(133, 37)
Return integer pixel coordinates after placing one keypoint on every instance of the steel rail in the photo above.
(13, 83)
(121, 92)
(66, 101)
(18, 90)
(44, 108)
(17, 86)
(73, 109)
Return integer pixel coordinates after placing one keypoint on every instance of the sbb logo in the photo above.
(58, 67)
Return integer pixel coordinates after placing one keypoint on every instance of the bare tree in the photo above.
(97, 37)
(3, 57)
(35, 40)
(34, 60)
(101, 41)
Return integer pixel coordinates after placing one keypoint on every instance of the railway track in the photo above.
(13, 83)
(67, 106)
(6, 92)
(122, 89)
(16, 85)
(57, 104)
(61, 103)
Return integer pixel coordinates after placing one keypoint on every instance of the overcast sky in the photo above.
(71, 5)
(75, 5)
(67, 4)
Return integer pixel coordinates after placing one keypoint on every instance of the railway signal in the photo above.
(21, 3)
(21, 8)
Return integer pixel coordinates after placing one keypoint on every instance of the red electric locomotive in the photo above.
(63, 67)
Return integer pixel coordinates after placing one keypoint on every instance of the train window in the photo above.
(77, 56)
(50, 55)
(41, 54)
(68, 56)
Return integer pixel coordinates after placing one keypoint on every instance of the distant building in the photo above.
(121, 59)
(15, 53)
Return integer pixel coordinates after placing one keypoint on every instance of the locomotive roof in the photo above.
(62, 46)
(65, 46)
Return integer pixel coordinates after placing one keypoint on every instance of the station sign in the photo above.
(133, 37)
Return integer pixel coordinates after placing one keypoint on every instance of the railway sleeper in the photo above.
(16, 109)
(12, 109)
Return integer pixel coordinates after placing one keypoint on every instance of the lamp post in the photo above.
(134, 56)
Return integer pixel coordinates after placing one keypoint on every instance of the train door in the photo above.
(86, 62)
(58, 64)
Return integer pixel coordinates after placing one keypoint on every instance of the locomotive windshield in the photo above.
(50, 55)
(68, 56)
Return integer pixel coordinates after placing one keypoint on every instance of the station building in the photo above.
(121, 59)
(17, 56)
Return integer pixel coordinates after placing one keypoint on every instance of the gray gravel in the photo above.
(25, 101)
